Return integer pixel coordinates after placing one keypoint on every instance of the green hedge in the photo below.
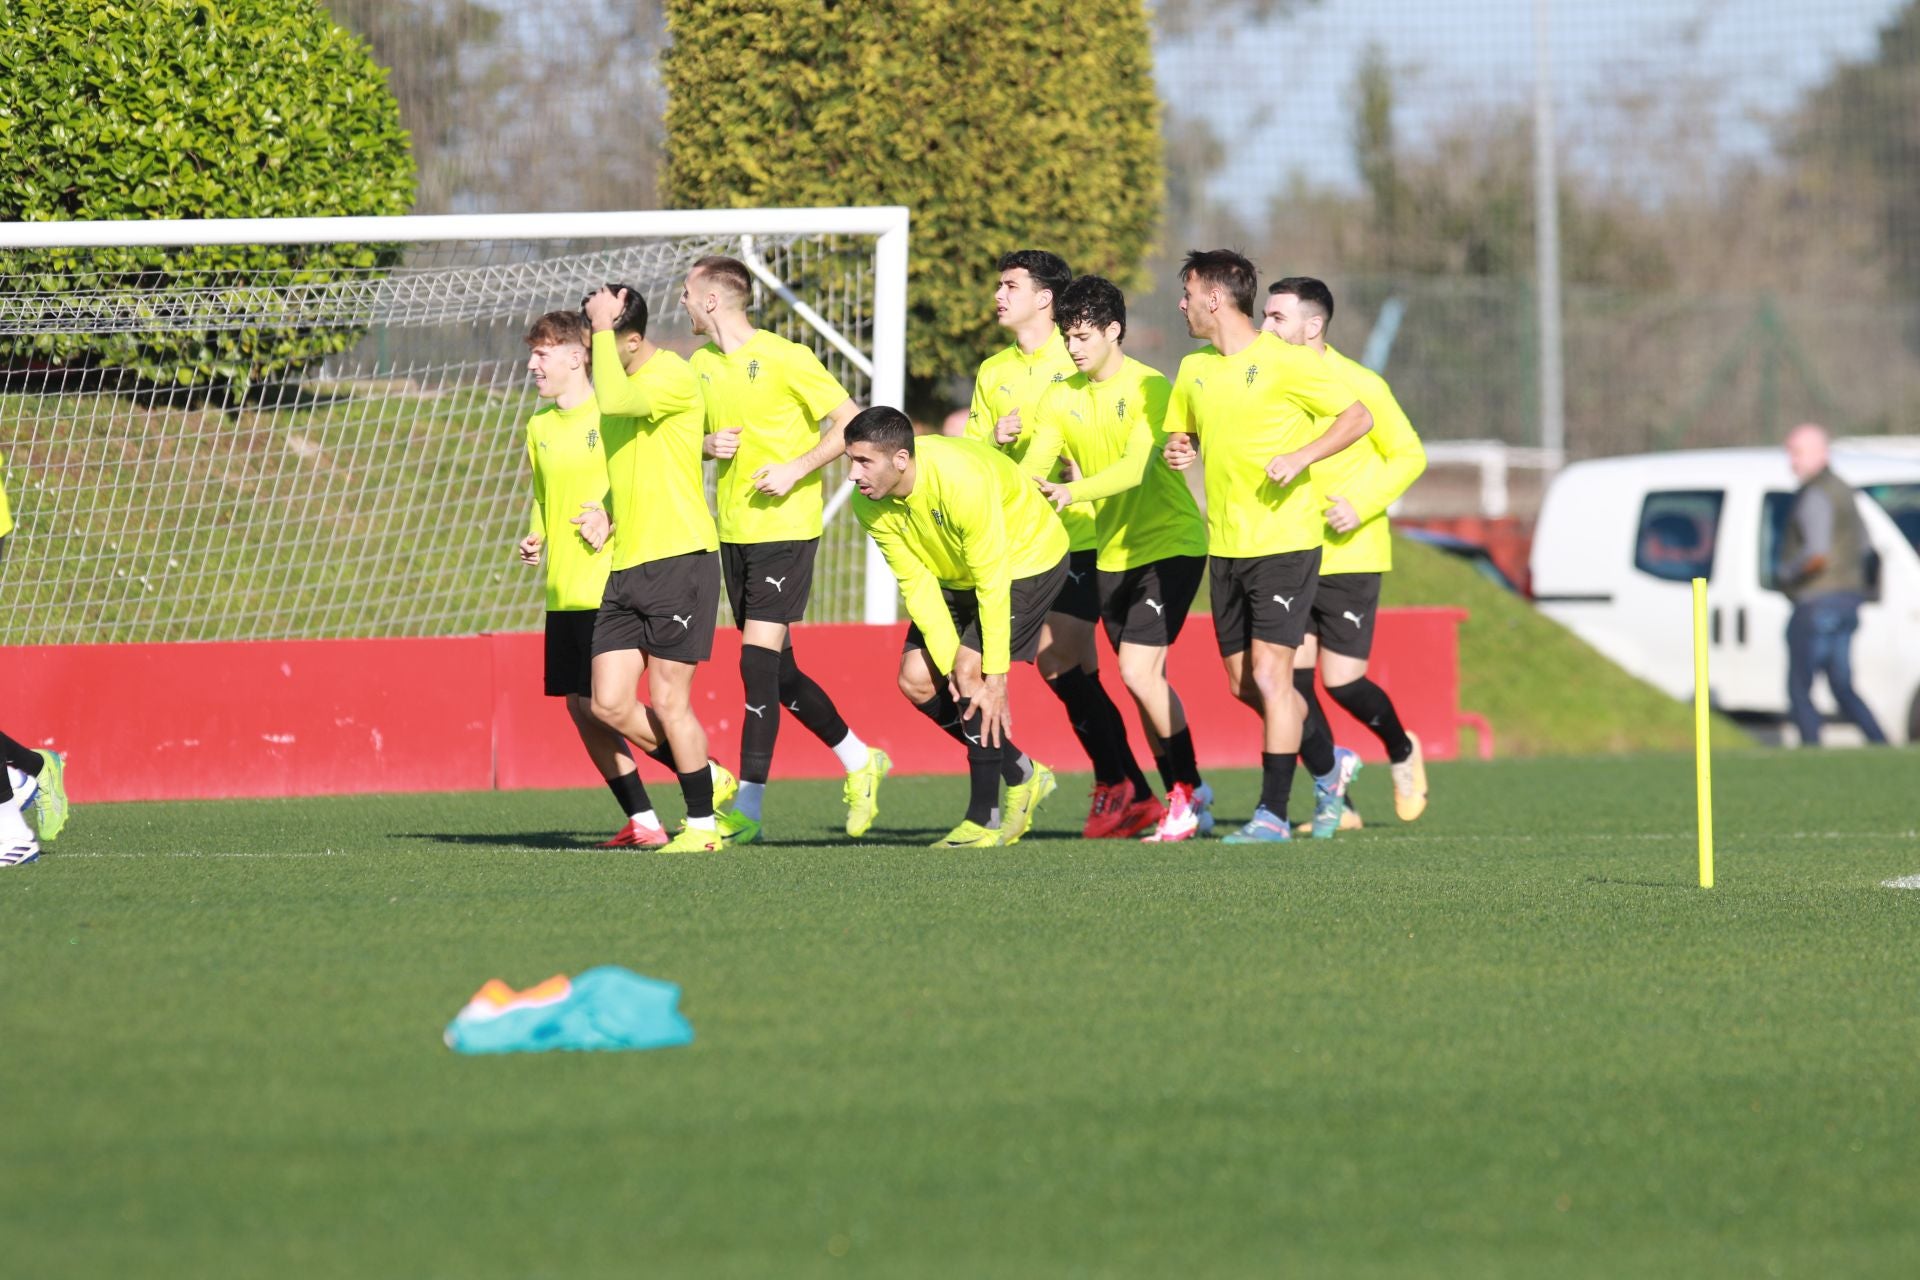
(1000, 124)
(141, 109)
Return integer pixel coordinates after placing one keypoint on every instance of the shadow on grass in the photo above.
(507, 839)
(1640, 884)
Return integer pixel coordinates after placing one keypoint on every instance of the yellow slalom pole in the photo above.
(1702, 728)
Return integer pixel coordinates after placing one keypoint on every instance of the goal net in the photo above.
(271, 429)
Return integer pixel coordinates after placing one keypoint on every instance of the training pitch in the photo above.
(1514, 1039)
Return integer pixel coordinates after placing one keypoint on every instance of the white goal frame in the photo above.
(887, 223)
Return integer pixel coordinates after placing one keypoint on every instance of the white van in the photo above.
(1619, 541)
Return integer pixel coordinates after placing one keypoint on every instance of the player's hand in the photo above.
(594, 524)
(722, 444)
(777, 479)
(1341, 517)
(1179, 452)
(1285, 469)
(990, 701)
(1057, 494)
(1007, 430)
(529, 549)
(604, 307)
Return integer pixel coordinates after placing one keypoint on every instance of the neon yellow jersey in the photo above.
(777, 392)
(653, 437)
(1371, 474)
(569, 470)
(1115, 430)
(6, 516)
(974, 521)
(1243, 411)
(1012, 379)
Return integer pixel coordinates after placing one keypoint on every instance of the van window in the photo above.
(1678, 530)
(1774, 509)
(1901, 502)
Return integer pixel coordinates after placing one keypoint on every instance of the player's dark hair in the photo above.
(632, 317)
(1312, 293)
(1048, 270)
(557, 327)
(881, 425)
(729, 273)
(1224, 269)
(1092, 300)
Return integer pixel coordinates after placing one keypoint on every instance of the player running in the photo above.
(980, 557)
(1152, 546)
(1006, 394)
(662, 596)
(568, 457)
(1251, 401)
(1354, 487)
(765, 398)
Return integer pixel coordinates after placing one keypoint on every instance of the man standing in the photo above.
(1006, 395)
(1152, 548)
(765, 399)
(979, 556)
(1354, 487)
(567, 455)
(1822, 568)
(662, 597)
(1252, 402)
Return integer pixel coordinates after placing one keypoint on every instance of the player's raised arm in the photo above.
(618, 317)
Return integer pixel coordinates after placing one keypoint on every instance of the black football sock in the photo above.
(1116, 735)
(1276, 782)
(941, 709)
(1082, 698)
(983, 776)
(809, 703)
(21, 756)
(1165, 770)
(1316, 735)
(1368, 703)
(1180, 758)
(1015, 765)
(760, 674)
(630, 793)
(697, 789)
(664, 754)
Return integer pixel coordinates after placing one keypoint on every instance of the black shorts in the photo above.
(1030, 599)
(1263, 598)
(664, 608)
(1148, 603)
(1343, 610)
(768, 581)
(570, 652)
(1080, 598)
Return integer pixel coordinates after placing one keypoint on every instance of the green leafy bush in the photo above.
(1001, 124)
(144, 109)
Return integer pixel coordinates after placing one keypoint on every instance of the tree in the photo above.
(1001, 124)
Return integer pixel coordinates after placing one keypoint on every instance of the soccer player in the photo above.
(1252, 402)
(569, 464)
(662, 597)
(1355, 488)
(1006, 393)
(31, 779)
(1152, 540)
(765, 398)
(979, 555)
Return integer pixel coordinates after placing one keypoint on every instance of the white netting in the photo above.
(378, 494)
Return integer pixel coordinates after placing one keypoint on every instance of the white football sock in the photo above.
(748, 801)
(852, 752)
(646, 819)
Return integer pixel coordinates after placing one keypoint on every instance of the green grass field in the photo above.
(1511, 1040)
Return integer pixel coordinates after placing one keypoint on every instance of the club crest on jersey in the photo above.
(1120, 407)
(593, 437)
(1059, 377)
(939, 519)
(1253, 371)
(753, 370)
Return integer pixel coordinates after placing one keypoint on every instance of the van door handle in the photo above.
(1714, 625)
(1740, 625)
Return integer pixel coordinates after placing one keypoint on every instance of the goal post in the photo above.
(208, 436)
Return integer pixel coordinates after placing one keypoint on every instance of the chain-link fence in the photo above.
(1738, 198)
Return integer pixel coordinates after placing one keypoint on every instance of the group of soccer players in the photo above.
(1057, 510)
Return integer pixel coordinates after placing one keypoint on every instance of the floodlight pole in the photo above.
(1546, 246)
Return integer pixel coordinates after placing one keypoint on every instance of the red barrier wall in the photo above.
(321, 717)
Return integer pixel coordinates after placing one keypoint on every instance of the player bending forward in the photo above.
(663, 587)
(1151, 540)
(29, 779)
(567, 453)
(1354, 487)
(980, 557)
